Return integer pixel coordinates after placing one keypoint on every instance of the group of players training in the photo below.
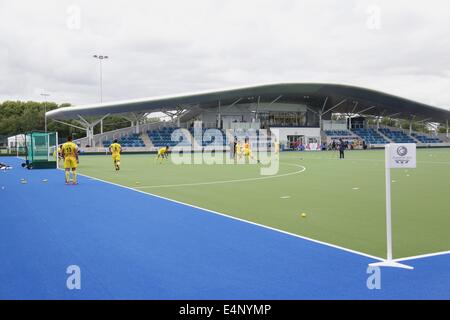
(68, 151)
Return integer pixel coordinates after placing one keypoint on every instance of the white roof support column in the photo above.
(379, 119)
(257, 107)
(322, 112)
(324, 104)
(411, 124)
(135, 118)
(424, 121)
(69, 124)
(84, 125)
(335, 106)
(354, 107)
(276, 99)
(320, 120)
(89, 130)
(176, 115)
(219, 117)
(351, 114)
(179, 113)
(89, 126)
(393, 115)
(364, 110)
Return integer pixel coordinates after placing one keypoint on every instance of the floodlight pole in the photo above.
(100, 59)
(45, 95)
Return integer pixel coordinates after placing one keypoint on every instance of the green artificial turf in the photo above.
(344, 199)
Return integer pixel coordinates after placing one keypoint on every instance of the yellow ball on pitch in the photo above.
(303, 215)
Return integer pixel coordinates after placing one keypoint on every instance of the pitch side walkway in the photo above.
(134, 246)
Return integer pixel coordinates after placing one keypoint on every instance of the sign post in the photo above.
(397, 155)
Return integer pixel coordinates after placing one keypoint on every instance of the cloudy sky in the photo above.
(174, 46)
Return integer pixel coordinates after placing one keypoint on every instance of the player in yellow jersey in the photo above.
(276, 147)
(115, 149)
(57, 154)
(247, 150)
(69, 152)
(60, 157)
(162, 153)
(238, 150)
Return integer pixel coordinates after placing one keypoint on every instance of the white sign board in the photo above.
(400, 155)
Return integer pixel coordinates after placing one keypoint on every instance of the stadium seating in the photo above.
(425, 139)
(397, 135)
(133, 140)
(208, 139)
(370, 136)
(338, 133)
(163, 137)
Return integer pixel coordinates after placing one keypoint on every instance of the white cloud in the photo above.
(173, 46)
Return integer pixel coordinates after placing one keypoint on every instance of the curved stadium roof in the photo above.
(320, 97)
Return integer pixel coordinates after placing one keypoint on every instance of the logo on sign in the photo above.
(402, 152)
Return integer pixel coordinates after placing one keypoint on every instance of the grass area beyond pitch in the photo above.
(344, 200)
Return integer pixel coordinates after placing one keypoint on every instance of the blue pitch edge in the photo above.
(134, 246)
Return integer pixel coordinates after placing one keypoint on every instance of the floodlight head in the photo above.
(101, 57)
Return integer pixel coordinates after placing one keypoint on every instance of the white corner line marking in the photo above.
(422, 256)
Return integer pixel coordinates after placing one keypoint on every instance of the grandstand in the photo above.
(397, 136)
(163, 137)
(299, 113)
(371, 136)
(205, 138)
(132, 140)
(425, 139)
(338, 133)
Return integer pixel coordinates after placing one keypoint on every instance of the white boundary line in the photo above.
(227, 181)
(427, 255)
(241, 220)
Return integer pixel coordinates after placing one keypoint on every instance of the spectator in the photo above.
(233, 148)
(341, 149)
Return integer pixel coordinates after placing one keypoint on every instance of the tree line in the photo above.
(18, 117)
